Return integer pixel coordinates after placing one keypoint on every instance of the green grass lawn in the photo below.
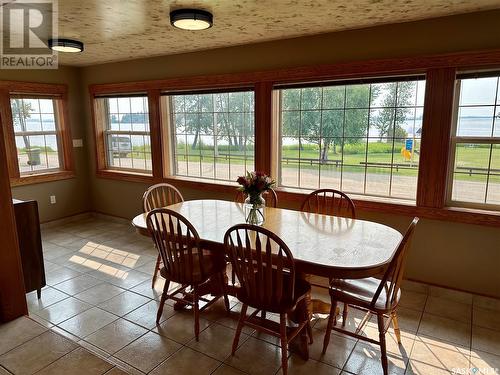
(353, 157)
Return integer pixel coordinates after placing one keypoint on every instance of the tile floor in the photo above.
(99, 301)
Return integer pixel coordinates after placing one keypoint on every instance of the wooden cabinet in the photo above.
(30, 244)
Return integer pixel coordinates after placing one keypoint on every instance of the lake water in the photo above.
(467, 126)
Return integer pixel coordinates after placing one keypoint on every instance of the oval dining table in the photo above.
(322, 245)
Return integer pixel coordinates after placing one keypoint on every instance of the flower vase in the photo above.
(254, 209)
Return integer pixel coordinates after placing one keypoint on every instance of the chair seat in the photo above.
(212, 264)
(361, 292)
(302, 288)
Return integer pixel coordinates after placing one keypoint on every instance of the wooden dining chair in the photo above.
(265, 269)
(270, 196)
(330, 202)
(185, 261)
(374, 296)
(158, 196)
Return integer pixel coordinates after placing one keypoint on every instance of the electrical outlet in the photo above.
(77, 143)
(52, 199)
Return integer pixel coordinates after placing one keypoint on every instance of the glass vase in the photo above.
(254, 209)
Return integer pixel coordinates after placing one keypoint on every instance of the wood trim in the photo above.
(407, 65)
(12, 292)
(42, 177)
(8, 131)
(64, 130)
(34, 88)
(436, 134)
(263, 127)
(155, 128)
(126, 176)
(96, 112)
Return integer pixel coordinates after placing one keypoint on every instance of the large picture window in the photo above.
(36, 131)
(362, 138)
(212, 134)
(475, 162)
(126, 132)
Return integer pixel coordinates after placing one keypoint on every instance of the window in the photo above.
(475, 161)
(36, 132)
(362, 138)
(126, 133)
(212, 134)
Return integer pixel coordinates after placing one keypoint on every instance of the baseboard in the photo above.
(66, 220)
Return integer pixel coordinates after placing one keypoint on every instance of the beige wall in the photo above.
(450, 254)
(72, 195)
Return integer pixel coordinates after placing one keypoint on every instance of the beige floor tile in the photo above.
(116, 335)
(422, 368)
(148, 351)
(52, 251)
(366, 360)
(227, 370)
(449, 309)
(486, 340)
(180, 327)
(216, 341)
(116, 371)
(99, 293)
(36, 353)
(445, 329)
(130, 279)
(64, 333)
(131, 370)
(414, 286)
(88, 322)
(408, 319)
(231, 320)
(78, 362)
(60, 275)
(145, 289)
(256, 357)
(339, 348)
(297, 366)
(41, 321)
(124, 303)
(49, 297)
(17, 332)
(486, 362)
(145, 315)
(413, 300)
(78, 284)
(439, 354)
(402, 350)
(486, 303)
(63, 310)
(486, 318)
(185, 362)
(94, 349)
(4, 371)
(451, 295)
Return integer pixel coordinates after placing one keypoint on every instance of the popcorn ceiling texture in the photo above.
(119, 30)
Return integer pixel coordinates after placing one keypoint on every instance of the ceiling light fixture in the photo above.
(191, 19)
(65, 45)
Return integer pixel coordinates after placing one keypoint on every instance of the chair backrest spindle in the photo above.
(329, 202)
(161, 195)
(263, 264)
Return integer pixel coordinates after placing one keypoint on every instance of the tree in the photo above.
(327, 116)
(21, 111)
(394, 113)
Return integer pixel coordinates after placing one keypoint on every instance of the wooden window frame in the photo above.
(440, 72)
(53, 91)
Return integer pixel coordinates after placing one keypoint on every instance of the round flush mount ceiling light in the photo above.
(191, 19)
(65, 45)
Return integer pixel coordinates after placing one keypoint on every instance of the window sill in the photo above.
(41, 177)
(368, 204)
(125, 175)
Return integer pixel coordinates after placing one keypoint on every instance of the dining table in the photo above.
(328, 246)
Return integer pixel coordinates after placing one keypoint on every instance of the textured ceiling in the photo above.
(115, 30)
